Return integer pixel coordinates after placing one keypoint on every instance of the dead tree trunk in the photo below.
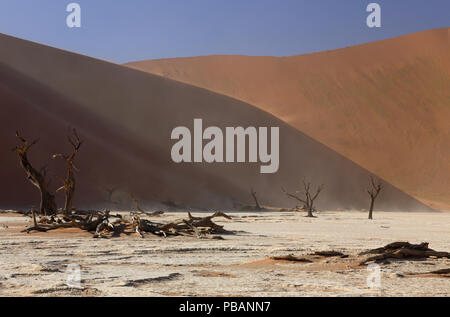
(110, 192)
(47, 205)
(373, 192)
(69, 183)
(257, 205)
(140, 211)
(308, 199)
(136, 202)
(403, 250)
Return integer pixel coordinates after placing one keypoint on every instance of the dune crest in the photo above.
(126, 117)
(384, 105)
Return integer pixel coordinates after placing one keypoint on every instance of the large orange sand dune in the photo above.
(385, 105)
(126, 117)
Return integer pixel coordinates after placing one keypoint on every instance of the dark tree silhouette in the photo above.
(110, 192)
(307, 198)
(37, 178)
(69, 183)
(373, 191)
(255, 198)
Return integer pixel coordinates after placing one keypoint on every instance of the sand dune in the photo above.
(126, 117)
(384, 105)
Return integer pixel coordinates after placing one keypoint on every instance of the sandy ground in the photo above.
(240, 265)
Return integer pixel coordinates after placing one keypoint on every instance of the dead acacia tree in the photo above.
(69, 183)
(37, 178)
(307, 198)
(140, 211)
(110, 192)
(255, 198)
(373, 191)
(101, 222)
(136, 202)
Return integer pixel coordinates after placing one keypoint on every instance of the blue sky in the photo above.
(122, 31)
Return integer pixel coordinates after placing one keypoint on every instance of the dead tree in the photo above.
(110, 192)
(255, 198)
(306, 198)
(140, 211)
(38, 179)
(69, 183)
(136, 202)
(373, 191)
(101, 222)
(200, 227)
(403, 251)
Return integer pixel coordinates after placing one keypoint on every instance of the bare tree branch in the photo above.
(373, 191)
(308, 199)
(69, 182)
(255, 198)
(38, 179)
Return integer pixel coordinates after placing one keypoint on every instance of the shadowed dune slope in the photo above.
(385, 105)
(126, 117)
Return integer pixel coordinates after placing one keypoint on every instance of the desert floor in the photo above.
(240, 265)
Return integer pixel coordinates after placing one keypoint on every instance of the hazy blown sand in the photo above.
(385, 105)
(126, 117)
(36, 264)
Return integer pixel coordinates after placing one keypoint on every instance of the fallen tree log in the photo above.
(200, 227)
(101, 222)
(291, 258)
(83, 221)
(104, 225)
(396, 246)
(329, 254)
(403, 250)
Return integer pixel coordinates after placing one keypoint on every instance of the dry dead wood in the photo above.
(69, 182)
(329, 254)
(403, 250)
(100, 222)
(373, 191)
(307, 198)
(200, 227)
(255, 198)
(206, 222)
(395, 246)
(442, 271)
(87, 221)
(104, 225)
(140, 211)
(291, 258)
(37, 178)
